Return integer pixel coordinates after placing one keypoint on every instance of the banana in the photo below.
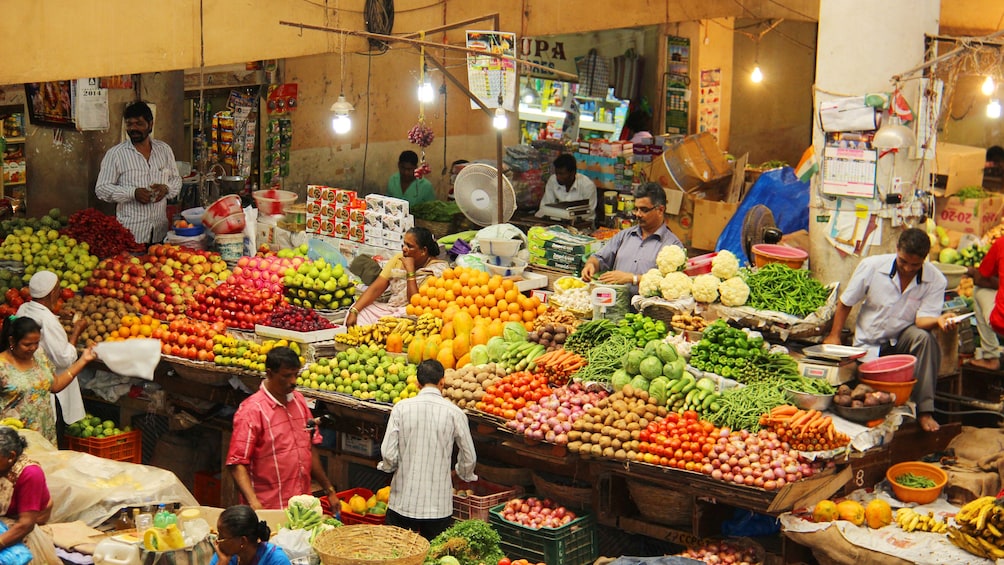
(993, 530)
(981, 518)
(973, 508)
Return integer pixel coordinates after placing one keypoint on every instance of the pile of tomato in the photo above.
(682, 441)
(513, 392)
(507, 561)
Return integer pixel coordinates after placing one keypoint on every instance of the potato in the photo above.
(620, 406)
(574, 435)
(574, 446)
(596, 451)
(620, 455)
(643, 423)
(633, 427)
(616, 443)
(608, 452)
(662, 412)
(604, 441)
(635, 434)
(586, 437)
(624, 436)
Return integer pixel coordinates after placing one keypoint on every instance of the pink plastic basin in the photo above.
(699, 265)
(231, 224)
(765, 253)
(223, 208)
(273, 202)
(890, 369)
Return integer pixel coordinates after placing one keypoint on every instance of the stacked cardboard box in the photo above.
(607, 163)
(387, 219)
(556, 248)
(375, 220)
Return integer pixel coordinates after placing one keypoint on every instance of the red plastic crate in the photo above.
(207, 488)
(485, 495)
(349, 518)
(126, 447)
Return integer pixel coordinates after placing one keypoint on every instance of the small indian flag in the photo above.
(808, 165)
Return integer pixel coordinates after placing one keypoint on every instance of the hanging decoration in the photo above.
(420, 134)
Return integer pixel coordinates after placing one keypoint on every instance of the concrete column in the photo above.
(167, 91)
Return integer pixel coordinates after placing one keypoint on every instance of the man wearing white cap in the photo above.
(44, 289)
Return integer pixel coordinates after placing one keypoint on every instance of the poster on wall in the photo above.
(709, 103)
(849, 166)
(677, 87)
(490, 77)
(50, 103)
(91, 105)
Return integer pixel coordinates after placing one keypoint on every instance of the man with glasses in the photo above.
(632, 251)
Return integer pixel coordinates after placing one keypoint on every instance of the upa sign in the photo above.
(547, 52)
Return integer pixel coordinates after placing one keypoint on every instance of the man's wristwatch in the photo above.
(634, 279)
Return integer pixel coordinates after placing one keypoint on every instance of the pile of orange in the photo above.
(476, 292)
(132, 325)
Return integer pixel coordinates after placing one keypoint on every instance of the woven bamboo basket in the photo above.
(504, 475)
(366, 544)
(658, 504)
(574, 496)
(201, 372)
(438, 229)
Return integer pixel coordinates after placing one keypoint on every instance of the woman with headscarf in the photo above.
(25, 503)
(243, 540)
(27, 378)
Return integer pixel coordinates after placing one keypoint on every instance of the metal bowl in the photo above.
(864, 414)
(810, 401)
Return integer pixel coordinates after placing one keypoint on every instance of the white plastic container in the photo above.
(110, 551)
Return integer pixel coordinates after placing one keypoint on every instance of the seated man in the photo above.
(405, 186)
(988, 303)
(567, 185)
(901, 296)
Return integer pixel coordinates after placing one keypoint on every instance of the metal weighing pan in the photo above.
(833, 352)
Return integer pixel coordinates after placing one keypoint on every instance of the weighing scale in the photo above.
(573, 210)
(835, 363)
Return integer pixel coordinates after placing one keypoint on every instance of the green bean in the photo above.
(780, 288)
(741, 407)
(605, 358)
(914, 481)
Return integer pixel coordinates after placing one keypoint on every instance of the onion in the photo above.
(717, 475)
(769, 485)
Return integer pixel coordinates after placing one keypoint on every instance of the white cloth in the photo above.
(418, 447)
(62, 354)
(582, 189)
(886, 311)
(42, 283)
(123, 170)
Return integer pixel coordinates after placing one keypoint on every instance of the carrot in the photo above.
(783, 410)
(800, 418)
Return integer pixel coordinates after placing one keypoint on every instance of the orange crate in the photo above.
(484, 495)
(126, 447)
(350, 518)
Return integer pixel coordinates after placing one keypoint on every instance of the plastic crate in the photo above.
(484, 496)
(575, 543)
(207, 488)
(126, 447)
(349, 518)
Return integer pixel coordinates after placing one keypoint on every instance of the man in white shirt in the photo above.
(44, 289)
(418, 449)
(139, 175)
(567, 185)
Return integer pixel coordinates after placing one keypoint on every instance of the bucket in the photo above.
(113, 552)
(230, 246)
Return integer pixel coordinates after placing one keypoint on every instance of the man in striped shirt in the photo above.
(418, 449)
(139, 175)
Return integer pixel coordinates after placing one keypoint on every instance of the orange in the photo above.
(146, 319)
(485, 312)
(410, 310)
(493, 313)
(416, 299)
(508, 284)
(502, 305)
(448, 274)
(541, 309)
(449, 296)
(490, 300)
(423, 301)
(457, 288)
(515, 317)
(499, 293)
(479, 301)
(464, 278)
(529, 315)
(473, 310)
(513, 308)
(483, 278)
(123, 331)
(511, 295)
(440, 293)
(534, 302)
(145, 330)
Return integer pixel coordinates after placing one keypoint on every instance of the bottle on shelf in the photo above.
(164, 517)
(124, 522)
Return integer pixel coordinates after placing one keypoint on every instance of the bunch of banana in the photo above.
(15, 423)
(911, 521)
(357, 335)
(427, 325)
(404, 327)
(981, 523)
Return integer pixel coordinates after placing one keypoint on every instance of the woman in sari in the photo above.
(24, 499)
(403, 275)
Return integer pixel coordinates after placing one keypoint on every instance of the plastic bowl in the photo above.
(700, 265)
(189, 232)
(889, 369)
(809, 401)
(901, 390)
(952, 272)
(766, 253)
(513, 270)
(223, 208)
(918, 495)
(864, 414)
(193, 215)
(500, 247)
(273, 202)
(231, 224)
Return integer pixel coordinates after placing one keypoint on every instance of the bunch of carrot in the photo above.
(804, 430)
(558, 365)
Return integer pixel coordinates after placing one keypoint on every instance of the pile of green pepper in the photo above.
(730, 352)
(641, 328)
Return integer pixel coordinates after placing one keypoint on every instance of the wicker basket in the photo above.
(658, 504)
(438, 229)
(368, 544)
(573, 496)
(503, 474)
(202, 372)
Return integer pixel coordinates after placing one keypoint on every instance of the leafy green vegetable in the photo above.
(435, 211)
(471, 542)
(780, 288)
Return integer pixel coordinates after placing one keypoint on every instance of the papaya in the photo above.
(463, 323)
(448, 331)
(383, 494)
(461, 345)
(357, 504)
(824, 511)
(479, 335)
(878, 513)
(416, 350)
(432, 345)
(495, 328)
(445, 355)
(851, 511)
(464, 360)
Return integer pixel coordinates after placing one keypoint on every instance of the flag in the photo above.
(808, 165)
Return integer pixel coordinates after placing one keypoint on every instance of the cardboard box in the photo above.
(958, 166)
(974, 215)
(712, 217)
(691, 164)
(699, 218)
(375, 202)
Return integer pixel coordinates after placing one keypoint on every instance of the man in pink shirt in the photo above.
(271, 455)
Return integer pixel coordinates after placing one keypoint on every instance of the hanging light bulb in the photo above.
(757, 75)
(426, 93)
(994, 109)
(500, 121)
(988, 86)
(341, 123)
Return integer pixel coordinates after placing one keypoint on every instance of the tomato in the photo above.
(690, 415)
(673, 417)
(505, 561)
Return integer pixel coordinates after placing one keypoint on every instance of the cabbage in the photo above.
(479, 355)
(496, 348)
(659, 389)
(514, 332)
(639, 383)
(651, 367)
(619, 379)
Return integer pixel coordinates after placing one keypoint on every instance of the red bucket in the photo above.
(890, 369)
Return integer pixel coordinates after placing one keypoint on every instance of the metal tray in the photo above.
(834, 352)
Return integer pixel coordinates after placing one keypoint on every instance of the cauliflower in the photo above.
(706, 288)
(734, 291)
(675, 285)
(649, 283)
(670, 258)
(724, 265)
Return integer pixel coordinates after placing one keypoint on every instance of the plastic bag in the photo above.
(296, 543)
(17, 554)
(133, 358)
(785, 195)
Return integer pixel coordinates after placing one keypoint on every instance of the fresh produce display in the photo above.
(421, 134)
(725, 265)
(462, 340)
(737, 354)
(236, 306)
(641, 328)
(53, 220)
(688, 321)
(535, 513)
(466, 386)
(104, 316)
(973, 192)
(266, 271)
(611, 428)
(759, 460)
(978, 529)
(512, 350)
(912, 521)
(47, 250)
(471, 542)
(681, 343)
(741, 407)
(809, 385)
(992, 234)
(589, 334)
(12, 422)
(725, 551)
(605, 359)
(551, 418)
(688, 394)
(914, 481)
(102, 232)
(673, 286)
(318, 284)
(367, 373)
(476, 292)
(291, 317)
(11, 298)
(861, 395)
(551, 336)
(435, 211)
(680, 441)
(229, 351)
(671, 258)
(380, 332)
(577, 301)
(779, 288)
(557, 366)
(654, 366)
(804, 430)
(94, 427)
(971, 256)
(512, 392)
(375, 505)
(304, 512)
(705, 288)
(734, 291)
(556, 317)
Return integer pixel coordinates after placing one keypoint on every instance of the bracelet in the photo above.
(411, 275)
(352, 310)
